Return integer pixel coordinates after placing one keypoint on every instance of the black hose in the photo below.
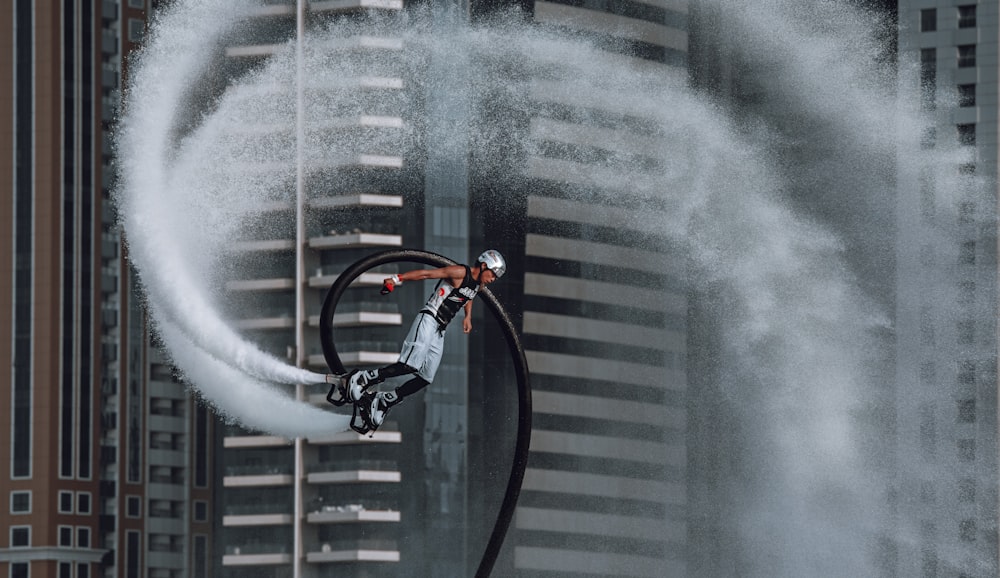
(520, 462)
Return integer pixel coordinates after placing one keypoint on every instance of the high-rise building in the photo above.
(603, 303)
(947, 294)
(100, 475)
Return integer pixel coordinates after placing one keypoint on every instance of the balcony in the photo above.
(267, 514)
(284, 321)
(356, 201)
(278, 284)
(253, 51)
(353, 513)
(352, 438)
(264, 245)
(254, 441)
(365, 313)
(257, 555)
(257, 476)
(355, 240)
(167, 389)
(355, 5)
(356, 471)
(355, 551)
(362, 353)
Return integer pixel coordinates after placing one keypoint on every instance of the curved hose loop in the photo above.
(520, 462)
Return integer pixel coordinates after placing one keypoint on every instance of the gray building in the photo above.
(947, 293)
(603, 304)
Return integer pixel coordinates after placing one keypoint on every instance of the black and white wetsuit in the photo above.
(424, 344)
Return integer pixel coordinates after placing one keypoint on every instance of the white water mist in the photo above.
(182, 201)
(794, 248)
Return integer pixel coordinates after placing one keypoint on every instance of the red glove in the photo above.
(389, 284)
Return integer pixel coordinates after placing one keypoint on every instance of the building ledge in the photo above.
(257, 520)
(353, 556)
(257, 481)
(278, 284)
(365, 279)
(355, 5)
(357, 200)
(355, 358)
(255, 442)
(353, 476)
(263, 323)
(256, 559)
(265, 245)
(352, 437)
(351, 517)
(51, 553)
(356, 240)
(360, 319)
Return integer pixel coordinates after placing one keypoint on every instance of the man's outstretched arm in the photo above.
(453, 272)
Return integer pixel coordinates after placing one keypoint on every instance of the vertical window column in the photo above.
(67, 397)
(928, 78)
(21, 441)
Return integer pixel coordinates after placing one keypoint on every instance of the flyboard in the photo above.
(360, 420)
(338, 373)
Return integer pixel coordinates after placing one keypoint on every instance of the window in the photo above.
(967, 254)
(966, 332)
(136, 28)
(967, 135)
(928, 78)
(928, 373)
(966, 95)
(83, 503)
(926, 326)
(929, 563)
(65, 502)
(967, 16)
(19, 570)
(66, 536)
(140, 4)
(83, 570)
(201, 443)
(967, 530)
(927, 193)
(966, 55)
(200, 564)
(20, 502)
(966, 411)
(967, 372)
(967, 450)
(966, 212)
(928, 137)
(928, 495)
(83, 537)
(65, 570)
(927, 255)
(133, 507)
(132, 561)
(967, 169)
(967, 490)
(20, 536)
(928, 430)
(200, 511)
(928, 20)
(967, 292)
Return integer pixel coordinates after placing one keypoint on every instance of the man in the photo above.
(424, 344)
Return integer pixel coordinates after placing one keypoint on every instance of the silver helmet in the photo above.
(494, 262)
